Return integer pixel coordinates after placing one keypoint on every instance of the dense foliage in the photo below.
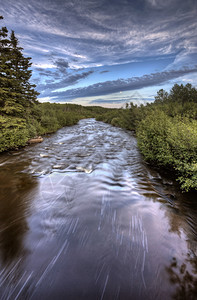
(171, 143)
(167, 136)
(49, 117)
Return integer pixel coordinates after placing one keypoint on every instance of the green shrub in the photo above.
(171, 143)
(13, 133)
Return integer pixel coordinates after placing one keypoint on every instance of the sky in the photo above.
(105, 52)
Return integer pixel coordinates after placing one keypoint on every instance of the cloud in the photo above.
(70, 79)
(134, 83)
(101, 101)
(108, 101)
(102, 72)
(62, 65)
(61, 36)
(105, 32)
(122, 100)
(43, 72)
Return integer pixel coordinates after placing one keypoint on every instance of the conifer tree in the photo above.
(5, 80)
(17, 94)
(23, 91)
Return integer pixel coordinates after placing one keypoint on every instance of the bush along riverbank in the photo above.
(167, 136)
(170, 143)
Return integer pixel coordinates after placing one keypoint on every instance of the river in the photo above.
(83, 217)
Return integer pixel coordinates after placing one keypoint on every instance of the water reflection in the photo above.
(183, 276)
(181, 211)
(14, 209)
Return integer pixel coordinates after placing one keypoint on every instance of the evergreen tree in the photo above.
(5, 79)
(17, 94)
(23, 93)
(183, 94)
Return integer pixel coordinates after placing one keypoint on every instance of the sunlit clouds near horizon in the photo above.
(106, 52)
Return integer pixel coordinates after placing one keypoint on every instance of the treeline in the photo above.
(49, 117)
(42, 118)
(21, 115)
(166, 131)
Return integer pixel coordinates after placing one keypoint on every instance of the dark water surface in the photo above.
(82, 217)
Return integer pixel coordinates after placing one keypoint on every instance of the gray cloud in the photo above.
(62, 65)
(134, 83)
(102, 101)
(70, 79)
(43, 72)
(127, 100)
(102, 72)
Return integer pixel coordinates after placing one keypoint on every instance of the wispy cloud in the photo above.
(102, 72)
(62, 65)
(134, 83)
(121, 100)
(68, 80)
(101, 101)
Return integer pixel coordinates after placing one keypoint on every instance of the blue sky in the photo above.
(105, 52)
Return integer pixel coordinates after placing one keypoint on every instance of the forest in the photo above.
(166, 129)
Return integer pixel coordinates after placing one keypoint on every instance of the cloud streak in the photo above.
(115, 86)
(67, 81)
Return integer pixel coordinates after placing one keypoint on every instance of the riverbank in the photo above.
(171, 143)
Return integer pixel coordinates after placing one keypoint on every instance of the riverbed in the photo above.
(83, 217)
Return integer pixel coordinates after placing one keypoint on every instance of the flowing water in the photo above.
(82, 217)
